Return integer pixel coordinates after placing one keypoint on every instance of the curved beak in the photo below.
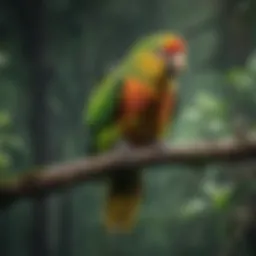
(180, 61)
(177, 63)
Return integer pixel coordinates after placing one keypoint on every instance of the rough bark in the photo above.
(50, 178)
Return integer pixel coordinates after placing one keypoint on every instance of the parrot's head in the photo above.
(174, 55)
(159, 54)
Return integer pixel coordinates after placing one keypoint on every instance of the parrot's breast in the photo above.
(149, 112)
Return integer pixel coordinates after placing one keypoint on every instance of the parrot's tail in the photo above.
(123, 201)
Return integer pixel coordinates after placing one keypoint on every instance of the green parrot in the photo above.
(132, 107)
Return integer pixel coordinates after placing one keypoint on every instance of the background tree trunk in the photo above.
(32, 14)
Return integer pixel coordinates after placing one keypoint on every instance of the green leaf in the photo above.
(209, 103)
(240, 79)
(5, 119)
(221, 199)
(13, 141)
(216, 125)
(192, 114)
(193, 207)
(5, 161)
(251, 63)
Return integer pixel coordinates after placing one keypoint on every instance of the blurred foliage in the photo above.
(242, 82)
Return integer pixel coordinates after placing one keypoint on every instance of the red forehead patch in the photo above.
(175, 46)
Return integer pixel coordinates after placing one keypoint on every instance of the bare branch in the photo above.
(66, 174)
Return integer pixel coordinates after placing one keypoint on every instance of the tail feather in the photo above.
(123, 201)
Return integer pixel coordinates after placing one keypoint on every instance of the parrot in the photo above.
(130, 108)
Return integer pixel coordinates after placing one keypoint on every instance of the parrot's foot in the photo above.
(124, 147)
(161, 145)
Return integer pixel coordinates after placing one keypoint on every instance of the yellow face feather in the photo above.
(148, 64)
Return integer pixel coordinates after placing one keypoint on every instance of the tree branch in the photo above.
(52, 177)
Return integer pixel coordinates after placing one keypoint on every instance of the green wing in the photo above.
(100, 113)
